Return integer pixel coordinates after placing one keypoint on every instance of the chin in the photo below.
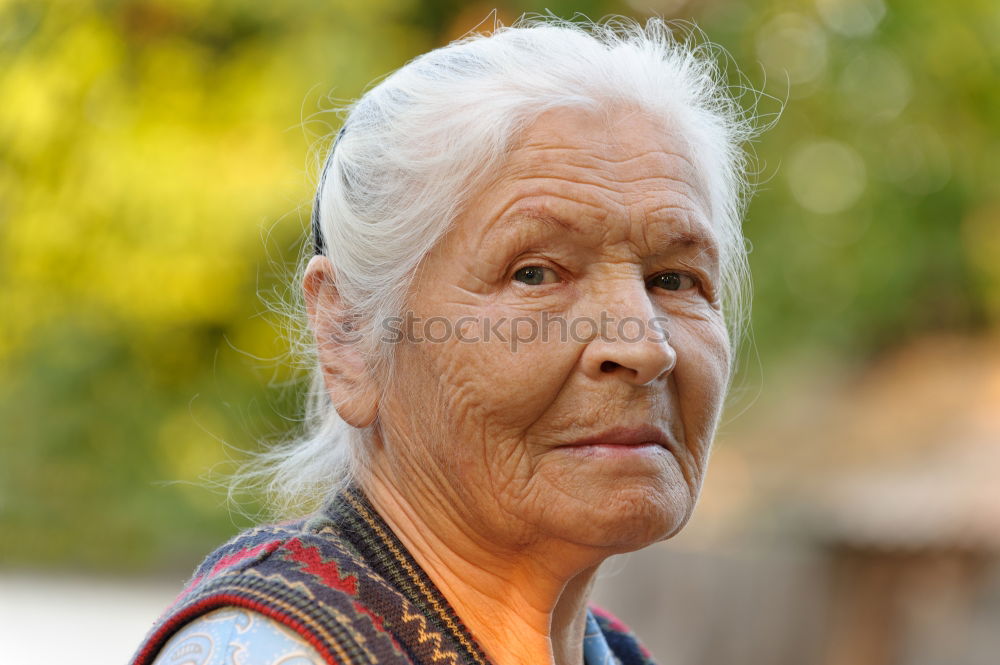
(627, 518)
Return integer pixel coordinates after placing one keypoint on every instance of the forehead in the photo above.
(610, 166)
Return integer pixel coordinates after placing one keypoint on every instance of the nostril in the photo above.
(609, 366)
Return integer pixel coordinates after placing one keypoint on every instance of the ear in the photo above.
(346, 374)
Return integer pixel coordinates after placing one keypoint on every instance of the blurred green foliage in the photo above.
(156, 162)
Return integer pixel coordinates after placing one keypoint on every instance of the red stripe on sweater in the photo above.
(377, 620)
(327, 571)
(159, 638)
(242, 555)
(614, 623)
(225, 562)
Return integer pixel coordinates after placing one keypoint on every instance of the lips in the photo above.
(641, 435)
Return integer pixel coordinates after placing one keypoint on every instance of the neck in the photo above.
(521, 606)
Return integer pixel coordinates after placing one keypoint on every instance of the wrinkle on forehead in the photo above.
(618, 137)
(626, 166)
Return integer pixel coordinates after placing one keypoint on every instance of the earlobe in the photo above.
(347, 376)
(357, 404)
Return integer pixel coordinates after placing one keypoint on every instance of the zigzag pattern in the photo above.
(425, 635)
(280, 579)
(344, 581)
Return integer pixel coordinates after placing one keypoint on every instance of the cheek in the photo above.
(703, 360)
(496, 385)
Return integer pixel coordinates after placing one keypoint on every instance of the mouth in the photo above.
(625, 437)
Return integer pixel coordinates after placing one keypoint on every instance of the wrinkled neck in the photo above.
(525, 606)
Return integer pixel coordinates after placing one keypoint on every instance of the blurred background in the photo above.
(157, 159)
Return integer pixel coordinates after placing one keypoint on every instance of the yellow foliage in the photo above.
(191, 441)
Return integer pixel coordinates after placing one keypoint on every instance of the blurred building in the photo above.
(854, 521)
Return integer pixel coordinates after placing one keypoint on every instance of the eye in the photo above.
(673, 281)
(535, 275)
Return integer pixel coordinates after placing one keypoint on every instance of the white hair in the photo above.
(416, 145)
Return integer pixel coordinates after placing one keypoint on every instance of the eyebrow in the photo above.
(546, 219)
(685, 239)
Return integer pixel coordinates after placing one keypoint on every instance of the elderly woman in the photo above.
(525, 296)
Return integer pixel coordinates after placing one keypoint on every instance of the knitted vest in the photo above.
(343, 581)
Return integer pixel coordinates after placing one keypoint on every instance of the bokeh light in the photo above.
(852, 18)
(826, 176)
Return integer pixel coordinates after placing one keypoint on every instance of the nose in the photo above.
(633, 343)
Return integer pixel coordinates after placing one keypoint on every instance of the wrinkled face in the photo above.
(507, 365)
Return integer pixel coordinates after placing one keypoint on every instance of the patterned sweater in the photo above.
(343, 581)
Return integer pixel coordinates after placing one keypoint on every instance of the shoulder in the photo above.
(233, 634)
(303, 574)
(620, 638)
(306, 555)
(249, 548)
